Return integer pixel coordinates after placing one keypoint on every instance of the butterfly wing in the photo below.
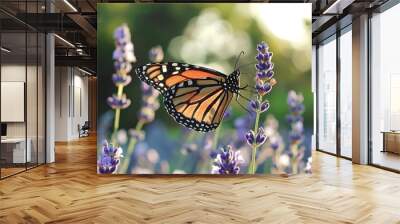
(194, 96)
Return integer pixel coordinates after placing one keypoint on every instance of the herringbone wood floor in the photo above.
(70, 191)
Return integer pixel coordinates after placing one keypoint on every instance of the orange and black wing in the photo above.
(194, 96)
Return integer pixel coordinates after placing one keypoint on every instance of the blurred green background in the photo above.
(212, 35)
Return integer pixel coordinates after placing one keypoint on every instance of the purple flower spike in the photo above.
(124, 51)
(227, 161)
(261, 137)
(295, 119)
(261, 66)
(116, 102)
(254, 105)
(250, 137)
(263, 88)
(123, 80)
(264, 106)
(265, 75)
(156, 54)
(109, 160)
(213, 154)
(259, 57)
(122, 35)
(262, 47)
(150, 103)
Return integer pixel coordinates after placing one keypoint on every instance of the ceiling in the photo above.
(76, 22)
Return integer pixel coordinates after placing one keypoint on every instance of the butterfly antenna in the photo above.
(237, 60)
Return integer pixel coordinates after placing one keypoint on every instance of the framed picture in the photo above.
(210, 88)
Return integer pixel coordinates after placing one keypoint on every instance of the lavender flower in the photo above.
(109, 160)
(256, 106)
(265, 74)
(123, 57)
(264, 84)
(263, 87)
(250, 137)
(149, 106)
(295, 119)
(256, 139)
(124, 47)
(264, 80)
(260, 137)
(116, 102)
(296, 134)
(124, 52)
(121, 80)
(150, 95)
(227, 161)
(150, 103)
(156, 54)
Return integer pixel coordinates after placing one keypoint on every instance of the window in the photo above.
(385, 89)
(22, 90)
(327, 96)
(346, 93)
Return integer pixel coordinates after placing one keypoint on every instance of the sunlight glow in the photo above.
(286, 21)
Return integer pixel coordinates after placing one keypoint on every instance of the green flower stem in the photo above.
(131, 148)
(253, 165)
(117, 116)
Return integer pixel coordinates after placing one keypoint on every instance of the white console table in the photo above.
(18, 145)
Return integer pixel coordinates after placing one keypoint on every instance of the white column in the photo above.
(50, 92)
(360, 90)
(50, 98)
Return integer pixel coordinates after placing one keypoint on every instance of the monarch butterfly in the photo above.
(196, 97)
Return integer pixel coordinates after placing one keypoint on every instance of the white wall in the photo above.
(71, 102)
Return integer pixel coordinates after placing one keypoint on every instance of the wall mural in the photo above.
(204, 88)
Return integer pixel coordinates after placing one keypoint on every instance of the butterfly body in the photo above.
(194, 96)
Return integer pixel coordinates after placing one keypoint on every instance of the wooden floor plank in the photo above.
(70, 191)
